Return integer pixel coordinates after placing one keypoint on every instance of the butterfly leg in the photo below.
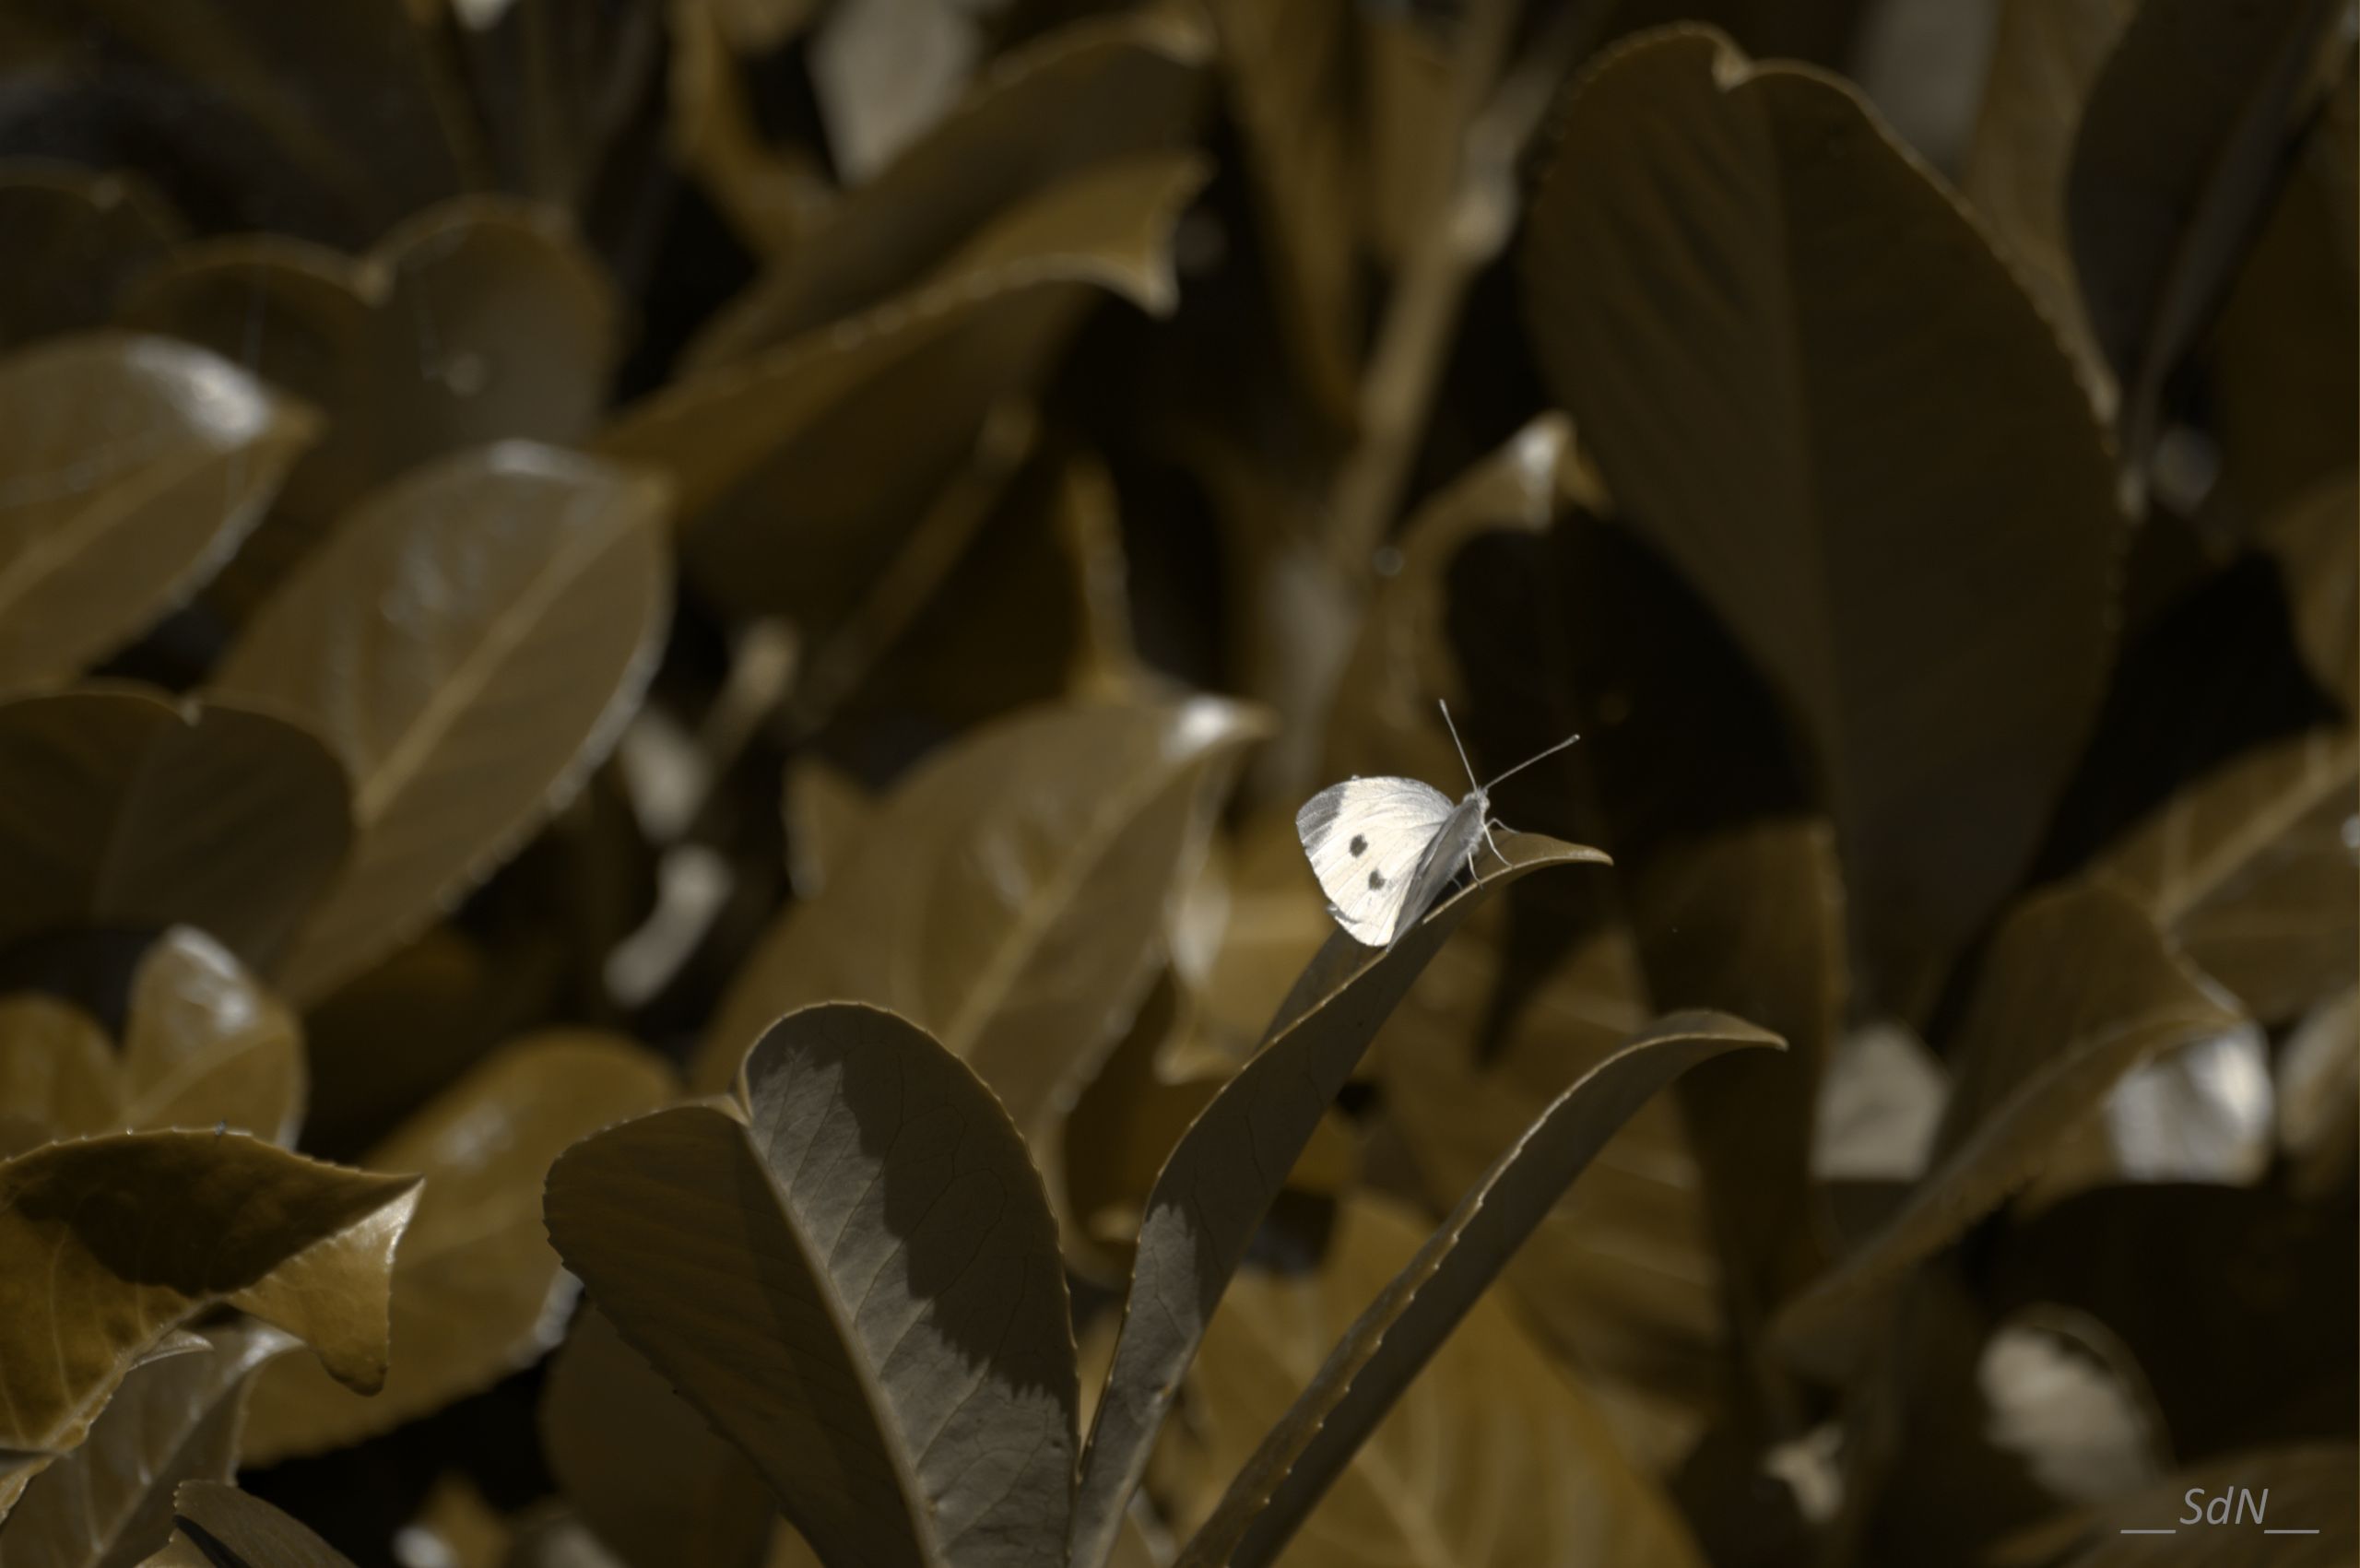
(1493, 842)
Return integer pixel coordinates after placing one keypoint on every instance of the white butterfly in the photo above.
(1383, 849)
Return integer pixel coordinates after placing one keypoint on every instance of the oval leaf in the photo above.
(985, 322)
(2178, 151)
(1009, 897)
(109, 1501)
(130, 468)
(1229, 1166)
(2079, 987)
(127, 810)
(1907, 511)
(471, 643)
(2250, 869)
(859, 1284)
(640, 1465)
(477, 1292)
(108, 1242)
(218, 1526)
(208, 1045)
(1400, 1331)
(2045, 54)
(76, 236)
(479, 320)
(1135, 79)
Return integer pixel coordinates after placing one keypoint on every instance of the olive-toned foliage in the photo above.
(657, 660)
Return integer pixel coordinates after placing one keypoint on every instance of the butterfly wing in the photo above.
(1365, 838)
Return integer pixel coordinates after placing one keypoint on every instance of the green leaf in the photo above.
(1008, 898)
(470, 641)
(204, 1046)
(132, 811)
(1391, 1342)
(479, 320)
(108, 1503)
(786, 458)
(106, 1243)
(354, 106)
(1908, 516)
(2251, 870)
(2077, 988)
(1220, 1180)
(1495, 1457)
(2177, 153)
(130, 468)
(1135, 78)
(2283, 398)
(76, 237)
(1622, 1280)
(2045, 54)
(1292, 80)
(477, 1292)
(640, 1465)
(219, 1526)
(853, 1273)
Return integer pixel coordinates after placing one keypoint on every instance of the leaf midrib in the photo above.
(456, 696)
(998, 977)
(873, 1393)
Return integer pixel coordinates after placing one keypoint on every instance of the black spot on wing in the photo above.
(1359, 844)
(1376, 879)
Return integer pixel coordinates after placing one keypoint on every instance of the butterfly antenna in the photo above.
(1530, 760)
(1462, 751)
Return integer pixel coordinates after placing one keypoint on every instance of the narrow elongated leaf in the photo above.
(108, 1503)
(1493, 1458)
(2045, 54)
(478, 320)
(1294, 90)
(128, 810)
(2176, 155)
(78, 236)
(477, 1292)
(1135, 77)
(1221, 1179)
(108, 1242)
(640, 1465)
(218, 1526)
(853, 1273)
(2250, 869)
(470, 644)
(130, 468)
(2077, 988)
(1908, 521)
(1008, 898)
(2284, 397)
(1622, 1280)
(840, 417)
(1402, 1330)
